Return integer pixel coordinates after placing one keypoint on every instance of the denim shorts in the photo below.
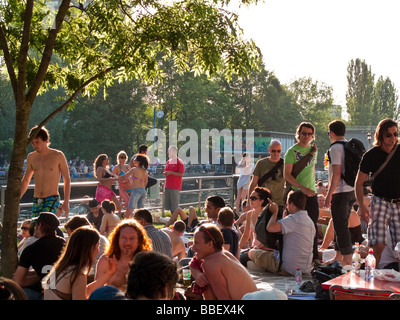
(136, 200)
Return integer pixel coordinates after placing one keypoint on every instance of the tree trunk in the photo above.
(9, 257)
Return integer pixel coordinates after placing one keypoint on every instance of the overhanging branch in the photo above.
(73, 96)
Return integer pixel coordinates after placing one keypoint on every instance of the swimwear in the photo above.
(122, 183)
(103, 193)
(48, 204)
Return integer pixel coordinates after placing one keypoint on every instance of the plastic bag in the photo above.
(387, 275)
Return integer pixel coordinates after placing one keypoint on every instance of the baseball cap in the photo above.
(48, 219)
(93, 203)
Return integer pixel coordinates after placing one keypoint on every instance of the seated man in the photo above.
(216, 270)
(40, 255)
(153, 276)
(231, 237)
(160, 240)
(298, 237)
(178, 246)
(191, 221)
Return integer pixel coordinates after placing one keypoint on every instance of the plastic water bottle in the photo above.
(370, 263)
(356, 263)
(299, 278)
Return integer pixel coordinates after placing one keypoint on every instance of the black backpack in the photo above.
(272, 240)
(353, 151)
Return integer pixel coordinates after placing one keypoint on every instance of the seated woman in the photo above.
(258, 200)
(68, 278)
(110, 219)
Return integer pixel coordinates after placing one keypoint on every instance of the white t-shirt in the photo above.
(298, 239)
(336, 153)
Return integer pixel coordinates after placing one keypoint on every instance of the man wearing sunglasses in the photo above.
(305, 180)
(275, 181)
(384, 209)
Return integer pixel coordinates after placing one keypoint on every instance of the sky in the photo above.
(318, 38)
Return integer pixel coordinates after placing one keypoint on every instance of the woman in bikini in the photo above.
(106, 180)
(139, 176)
(126, 185)
(68, 278)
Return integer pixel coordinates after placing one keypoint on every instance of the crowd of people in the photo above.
(108, 255)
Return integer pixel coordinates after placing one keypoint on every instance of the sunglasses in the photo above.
(274, 151)
(253, 198)
(24, 228)
(389, 135)
(310, 134)
(204, 229)
(122, 157)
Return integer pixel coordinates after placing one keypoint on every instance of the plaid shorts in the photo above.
(383, 214)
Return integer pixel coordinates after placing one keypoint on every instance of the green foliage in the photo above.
(385, 100)
(369, 102)
(316, 106)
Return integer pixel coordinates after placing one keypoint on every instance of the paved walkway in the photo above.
(267, 280)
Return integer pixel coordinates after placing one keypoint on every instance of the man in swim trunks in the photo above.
(46, 165)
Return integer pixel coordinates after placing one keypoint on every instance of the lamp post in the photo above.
(369, 137)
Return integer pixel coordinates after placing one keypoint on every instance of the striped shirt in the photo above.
(161, 241)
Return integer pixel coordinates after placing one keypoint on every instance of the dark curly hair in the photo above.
(150, 273)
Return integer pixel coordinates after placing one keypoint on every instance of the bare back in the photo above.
(178, 246)
(229, 280)
(139, 177)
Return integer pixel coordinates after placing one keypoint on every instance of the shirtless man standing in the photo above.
(220, 273)
(46, 165)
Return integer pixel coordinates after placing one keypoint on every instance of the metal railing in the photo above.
(227, 192)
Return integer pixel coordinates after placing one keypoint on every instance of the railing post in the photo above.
(3, 195)
(232, 180)
(200, 187)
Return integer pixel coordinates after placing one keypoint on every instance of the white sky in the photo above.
(318, 38)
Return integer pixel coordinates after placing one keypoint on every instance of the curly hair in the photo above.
(144, 241)
(98, 162)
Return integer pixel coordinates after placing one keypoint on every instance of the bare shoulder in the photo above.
(57, 153)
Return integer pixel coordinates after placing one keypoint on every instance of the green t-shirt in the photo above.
(307, 176)
(276, 185)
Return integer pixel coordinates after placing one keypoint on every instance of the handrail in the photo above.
(76, 184)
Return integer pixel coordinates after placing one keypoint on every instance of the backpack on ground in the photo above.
(353, 151)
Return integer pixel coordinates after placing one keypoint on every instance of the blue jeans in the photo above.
(136, 200)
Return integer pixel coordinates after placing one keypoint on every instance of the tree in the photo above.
(316, 106)
(385, 100)
(80, 45)
(360, 93)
